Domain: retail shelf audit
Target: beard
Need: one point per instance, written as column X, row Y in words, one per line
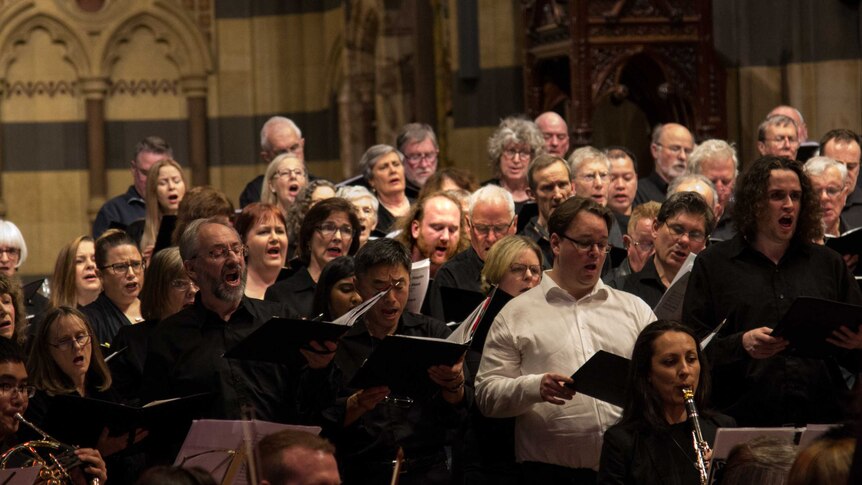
column 222, row 291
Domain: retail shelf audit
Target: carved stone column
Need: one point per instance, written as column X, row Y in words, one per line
column 2, row 157
column 94, row 91
column 195, row 90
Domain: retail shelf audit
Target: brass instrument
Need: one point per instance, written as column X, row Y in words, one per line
column 701, row 447
column 60, row 465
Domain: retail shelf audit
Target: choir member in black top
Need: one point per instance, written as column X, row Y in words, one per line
column 336, row 292
column 120, row 267
column 366, row 426
column 185, row 351
column 681, row 227
column 263, row 228
column 75, row 282
column 652, row 443
column 383, row 169
column 168, row 290
column 752, row 280
column 15, row 395
column 329, row 230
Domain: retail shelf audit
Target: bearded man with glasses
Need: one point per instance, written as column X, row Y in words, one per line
column 671, row 145
column 185, row 350
column 546, row 333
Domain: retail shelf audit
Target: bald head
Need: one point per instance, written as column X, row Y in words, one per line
column 556, row 133
column 796, row 116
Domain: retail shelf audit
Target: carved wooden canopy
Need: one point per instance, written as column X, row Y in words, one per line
column 656, row 53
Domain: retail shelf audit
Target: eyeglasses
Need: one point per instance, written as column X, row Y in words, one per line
column 675, row 149
column 592, row 177
column 678, row 231
column 7, row 389
column 521, row 269
column 328, row 229
column 182, row 285
column 221, row 252
column 586, row 246
column 512, row 153
column 418, row 157
column 295, row 173
column 781, row 140
column 11, row 252
column 123, row 268
column 68, row 344
column 831, row 192
column 485, row 229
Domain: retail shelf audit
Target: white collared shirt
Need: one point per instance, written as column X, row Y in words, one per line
column 546, row 330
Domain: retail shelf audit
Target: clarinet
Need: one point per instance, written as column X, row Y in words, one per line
column 701, row 447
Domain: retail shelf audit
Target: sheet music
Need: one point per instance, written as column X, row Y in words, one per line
column 669, row 307
column 211, row 444
column 353, row 315
column 420, row 275
column 464, row 333
column 706, row 340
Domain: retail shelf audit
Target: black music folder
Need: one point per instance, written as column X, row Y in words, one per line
column 458, row 303
column 401, row 362
column 848, row 243
column 604, row 376
column 166, row 230
column 528, row 211
column 279, row 339
column 80, row 420
column 810, row 321
column 498, row 301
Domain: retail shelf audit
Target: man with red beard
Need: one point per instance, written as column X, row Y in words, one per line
column 681, row 227
column 433, row 230
column 491, row 217
column 185, row 350
column 751, row 281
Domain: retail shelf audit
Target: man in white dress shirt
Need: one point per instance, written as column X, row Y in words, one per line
column 541, row 337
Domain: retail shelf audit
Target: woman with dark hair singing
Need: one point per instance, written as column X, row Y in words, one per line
column 653, row 442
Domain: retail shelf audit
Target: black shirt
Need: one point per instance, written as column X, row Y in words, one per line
column 732, row 280
column 422, row 428
column 127, row 366
column 650, row 188
column 105, row 318
column 539, row 234
column 184, row 357
column 297, row 290
column 120, row 211
column 463, row 271
column 637, row 454
column 852, row 212
column 646, row 284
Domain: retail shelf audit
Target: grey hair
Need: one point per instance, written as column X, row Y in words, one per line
column 266, row 195
column 11, row 236
column 818, row 165
column 189, row 243
column 492, row 194
column 370, row 157
column 514, row 130
column 586, row 154
column 355, row 192
column 710, row 150
column 415, row 133
column 271, row 123
column 689, row 177
column 775, row 120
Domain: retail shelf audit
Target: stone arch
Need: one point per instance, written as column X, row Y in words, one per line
column 187, row 47
column 19, row 24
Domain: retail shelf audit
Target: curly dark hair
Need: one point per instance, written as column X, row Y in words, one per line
column 751, row 199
